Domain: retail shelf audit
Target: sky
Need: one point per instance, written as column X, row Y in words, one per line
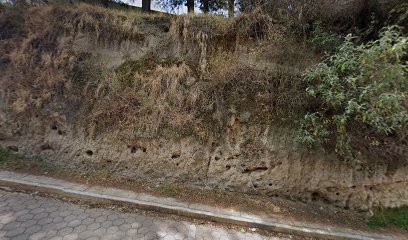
column 178, row 10
column 138, row 3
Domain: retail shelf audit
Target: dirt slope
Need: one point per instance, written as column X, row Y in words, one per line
column 201, row 100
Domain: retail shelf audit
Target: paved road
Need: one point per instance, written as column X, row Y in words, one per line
column 24, row 216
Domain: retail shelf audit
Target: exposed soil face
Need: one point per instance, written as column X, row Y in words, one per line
column 315, row 212
column 258, row 161
column 187, row 100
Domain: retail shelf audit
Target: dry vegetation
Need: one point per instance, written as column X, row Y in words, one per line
column 195, row 91
column 205, row 71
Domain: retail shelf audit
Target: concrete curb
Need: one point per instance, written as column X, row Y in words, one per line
column 174, row 206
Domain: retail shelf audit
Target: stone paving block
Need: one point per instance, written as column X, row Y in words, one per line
column 118, row 222
column 14, row 232
column 124, row 227
column 65, row 231
column 113, row 229
column 101, row 219
column 31, row 230
column 40, row 216
column 100, row 231
column 44, row 221
column 93, row 226
column 33, row 217
column 71, row 236
column 107, row 224
column 38, row 236
column 79, row 229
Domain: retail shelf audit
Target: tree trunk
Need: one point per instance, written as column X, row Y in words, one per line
column 231, row 8
column 146, row 4
column 244, row 5
column 190, row 6
column 206, row 6
column 105, row 3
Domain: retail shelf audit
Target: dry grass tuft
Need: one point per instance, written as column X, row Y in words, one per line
column 171, row 101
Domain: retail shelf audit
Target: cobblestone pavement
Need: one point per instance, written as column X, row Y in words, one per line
column 29, row 217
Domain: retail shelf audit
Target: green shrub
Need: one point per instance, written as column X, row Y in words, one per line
column 364, row 86
column 391, row 216
column 316, row 35
column 324, row 40
column 297, row 29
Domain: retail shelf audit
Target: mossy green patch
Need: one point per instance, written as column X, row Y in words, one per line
column 6, row 155
column 10, row 160
column 170, row 189
column 397, row 217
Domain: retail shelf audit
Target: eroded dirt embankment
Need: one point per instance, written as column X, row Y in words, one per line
column 197, row 100
column 263, row 161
